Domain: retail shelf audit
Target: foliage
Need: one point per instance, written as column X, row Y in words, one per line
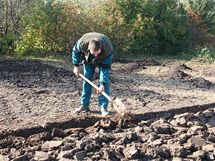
column 202, row 19
column 6, row 44
column 143, row 26
column 110, row 22
column 203, row 14
column 172, row 27
column 33, row 22
column 206, row 53
column 51, row 27
column 10, row 13
column 149, row 27
column 142, row 34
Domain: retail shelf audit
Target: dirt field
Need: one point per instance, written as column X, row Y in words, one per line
column 38, row 96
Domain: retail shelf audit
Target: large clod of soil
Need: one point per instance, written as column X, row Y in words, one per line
column 177, row 73
column 200, row 82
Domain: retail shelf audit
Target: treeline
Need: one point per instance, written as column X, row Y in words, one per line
column 149, row 27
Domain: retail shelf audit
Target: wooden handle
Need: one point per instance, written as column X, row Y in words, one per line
column 95, row 86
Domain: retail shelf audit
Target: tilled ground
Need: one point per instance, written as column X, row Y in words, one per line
column 186, row 136
column 36, row 100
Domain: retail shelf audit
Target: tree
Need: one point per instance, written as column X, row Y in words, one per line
column 172, row 27
column 202, row 19
column 11, row 12
column 51, row 27
column 149, row 26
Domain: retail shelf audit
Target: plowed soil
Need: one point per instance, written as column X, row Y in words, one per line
column 37, row 96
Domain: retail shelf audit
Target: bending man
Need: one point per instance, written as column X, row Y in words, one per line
column 94, row 50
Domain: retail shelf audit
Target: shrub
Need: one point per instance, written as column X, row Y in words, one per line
column 206, row 53
column 146, row 27
column 7, row 44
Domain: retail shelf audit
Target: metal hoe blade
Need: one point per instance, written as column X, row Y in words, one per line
column 119, row 106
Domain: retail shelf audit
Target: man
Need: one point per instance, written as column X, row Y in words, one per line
column 95, row 50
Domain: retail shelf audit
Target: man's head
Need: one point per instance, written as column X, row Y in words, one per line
column 95, row 47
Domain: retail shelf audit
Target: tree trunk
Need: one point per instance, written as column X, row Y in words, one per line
column 6, row 18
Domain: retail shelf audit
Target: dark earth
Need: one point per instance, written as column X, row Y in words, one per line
column 171, row 112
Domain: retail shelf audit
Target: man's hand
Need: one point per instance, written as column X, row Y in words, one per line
column 76, row 71
column 101, row 88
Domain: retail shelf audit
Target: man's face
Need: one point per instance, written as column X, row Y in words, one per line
column 95, row 53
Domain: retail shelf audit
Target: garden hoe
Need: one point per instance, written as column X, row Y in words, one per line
column 117, row 104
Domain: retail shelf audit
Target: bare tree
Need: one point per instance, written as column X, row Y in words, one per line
column 11, row 12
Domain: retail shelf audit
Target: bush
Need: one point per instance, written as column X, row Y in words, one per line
column 134, row 27
column 202, row 19
column 7, row 44
column 146, row 27
column 206, row 53
column 51, row 28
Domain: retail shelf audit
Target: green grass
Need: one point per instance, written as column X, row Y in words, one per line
column 163, row 57
column 66, row 58
column 45, row 58
column 61, row 62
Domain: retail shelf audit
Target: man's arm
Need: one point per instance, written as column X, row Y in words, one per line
column 76, row 54
column 76, row 57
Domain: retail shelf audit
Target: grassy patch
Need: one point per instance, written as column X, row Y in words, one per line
column 160, row 58
column 57, row 61
column 135, row 57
